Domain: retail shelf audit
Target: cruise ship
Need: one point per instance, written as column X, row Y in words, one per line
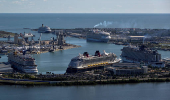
column 141, row 54
column 44, row 29
column 22, row 62
column 98, row 36
column 86, row 62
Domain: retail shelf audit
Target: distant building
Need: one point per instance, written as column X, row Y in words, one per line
column 135, row 38
column 45, row 42
column 16, row 38
column 127, row 69
column 60, row 39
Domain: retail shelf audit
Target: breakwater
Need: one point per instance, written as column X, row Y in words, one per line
column 81, row 82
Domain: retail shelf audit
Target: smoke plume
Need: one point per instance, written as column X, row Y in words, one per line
column 105, row 24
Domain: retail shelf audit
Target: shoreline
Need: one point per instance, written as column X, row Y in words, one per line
column 81, row 82
column 5, row 34
column 64, row 48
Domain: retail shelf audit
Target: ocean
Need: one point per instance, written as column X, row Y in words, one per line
column 138, row 91
column 58, row 61
column 66, row 21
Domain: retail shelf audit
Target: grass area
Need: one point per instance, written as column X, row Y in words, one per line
column 29, row 83
column 87, row 82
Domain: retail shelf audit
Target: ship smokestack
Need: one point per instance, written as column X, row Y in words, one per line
column 42, row 25
column 86, row 54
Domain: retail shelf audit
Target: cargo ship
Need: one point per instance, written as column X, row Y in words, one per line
column 22, row 62
column 86, row 62
column 98, row 36
column 141, row 54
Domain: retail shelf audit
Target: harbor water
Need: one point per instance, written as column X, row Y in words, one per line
column 140, row 91
column 58, row 61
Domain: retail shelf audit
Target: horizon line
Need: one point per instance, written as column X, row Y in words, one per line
column 81, row 13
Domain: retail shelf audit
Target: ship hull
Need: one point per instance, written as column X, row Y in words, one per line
column 83, row 69
column 154, row 64
column 77, row 70
column 97, row 40
column 125, row 60
column 44, row 31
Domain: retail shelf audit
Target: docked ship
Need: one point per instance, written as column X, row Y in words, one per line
column 141, row 54
column 86, row 62
column 98, row 36
column 22, row 62
column 44, row 29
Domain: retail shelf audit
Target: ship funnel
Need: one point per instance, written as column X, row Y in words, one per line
column 86, row 54
column 97, row 53
column 42, row 25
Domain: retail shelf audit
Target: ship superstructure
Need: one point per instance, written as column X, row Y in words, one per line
column 98, row 36
column 86, row 61
column 141, row 54
column 22, row 62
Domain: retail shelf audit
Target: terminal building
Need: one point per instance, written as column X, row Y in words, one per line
column 127, row 69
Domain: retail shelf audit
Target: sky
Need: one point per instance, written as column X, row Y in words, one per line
column 84, row 6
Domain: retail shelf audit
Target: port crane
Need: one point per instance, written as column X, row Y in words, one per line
column 23, row 40
column 52, row 49
column 39, row 41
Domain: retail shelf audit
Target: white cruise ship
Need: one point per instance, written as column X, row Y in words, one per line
column 98, row 36
column 22, row 62
column 44, row 29
column 87, row 62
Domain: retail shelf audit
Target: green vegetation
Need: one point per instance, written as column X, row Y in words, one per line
column 61, row 80
column 6, row 34
column 109, row 82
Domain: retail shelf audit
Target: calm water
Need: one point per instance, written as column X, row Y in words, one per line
column 141, row 91
column 57, row 62
column 20, row 21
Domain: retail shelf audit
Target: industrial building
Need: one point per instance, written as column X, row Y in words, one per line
column 127, row 69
